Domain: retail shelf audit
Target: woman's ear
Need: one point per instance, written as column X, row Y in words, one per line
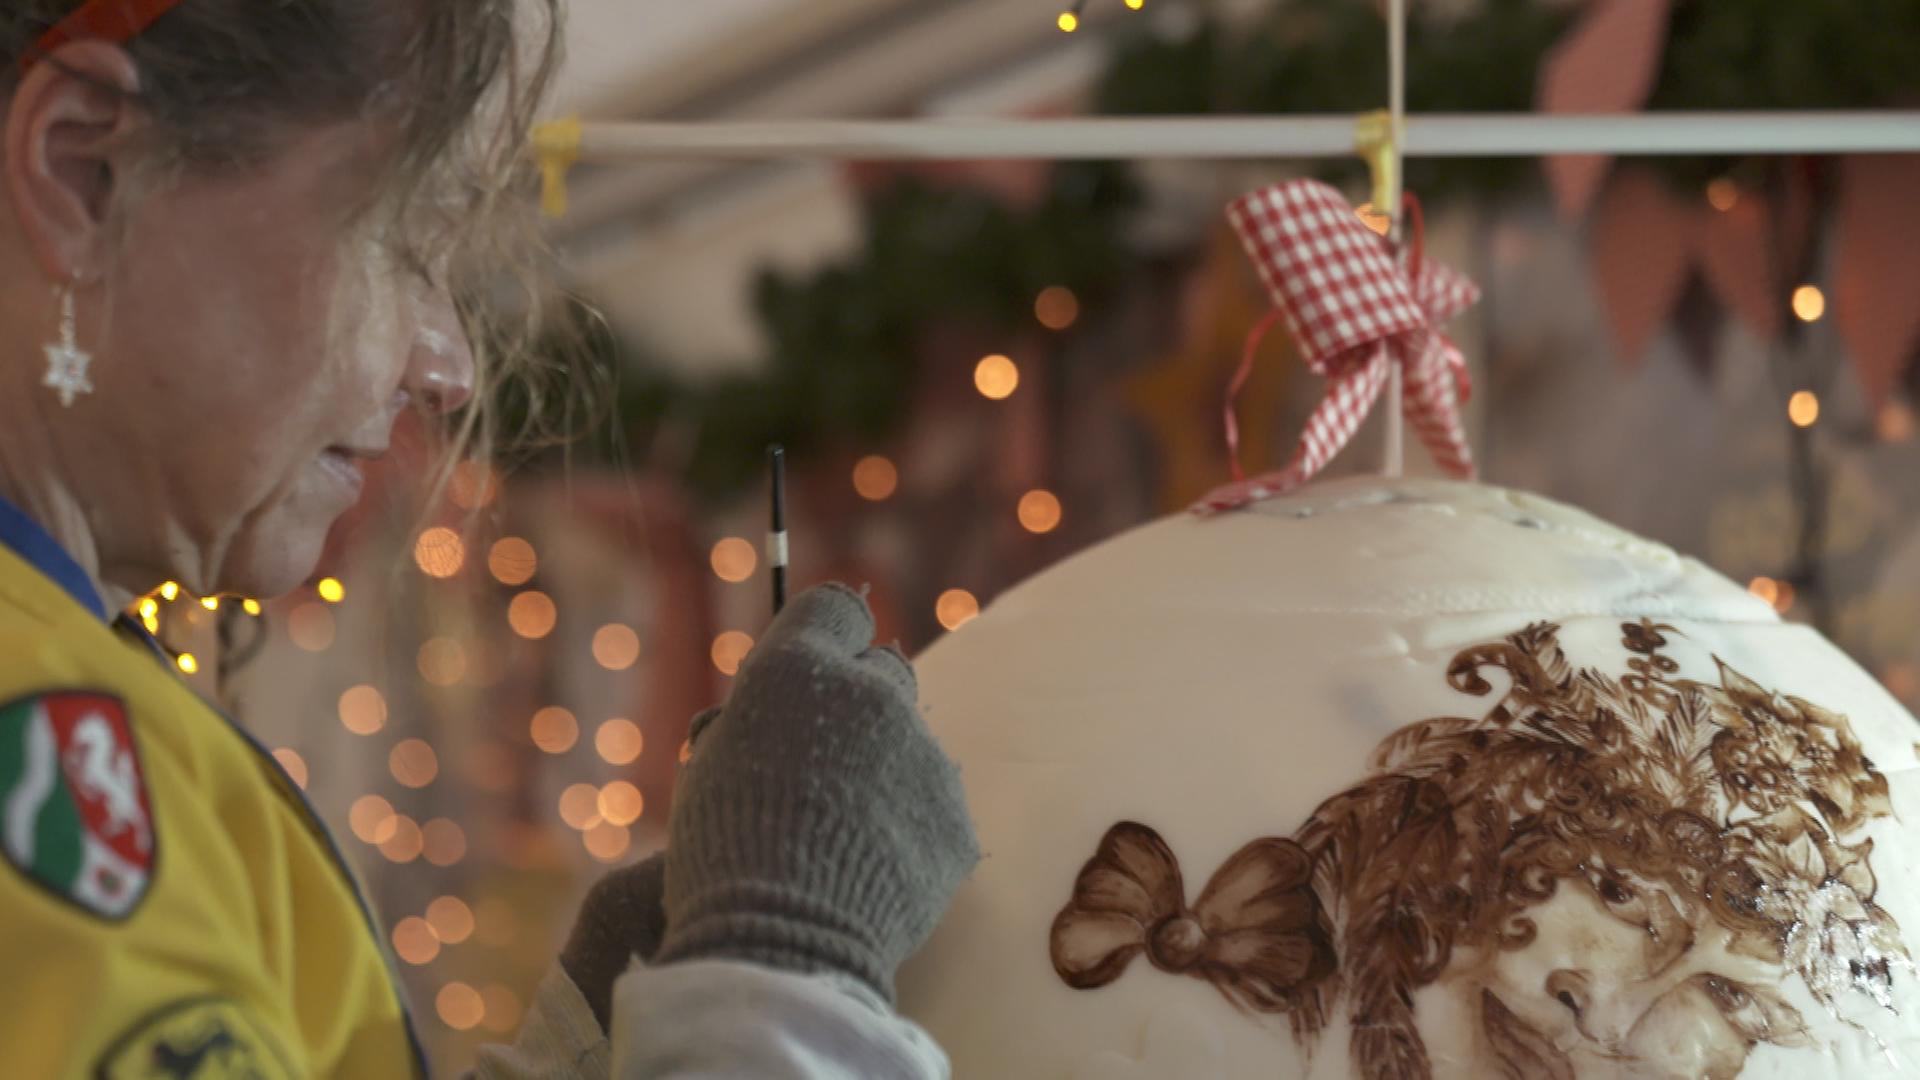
column 66, row 146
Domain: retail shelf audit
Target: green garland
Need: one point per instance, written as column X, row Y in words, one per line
column 845, row 339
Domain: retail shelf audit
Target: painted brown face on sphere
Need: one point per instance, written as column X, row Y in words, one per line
column 1601, row 876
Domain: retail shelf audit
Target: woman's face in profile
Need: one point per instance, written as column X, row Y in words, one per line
column 1595, row 995
column 254, row 346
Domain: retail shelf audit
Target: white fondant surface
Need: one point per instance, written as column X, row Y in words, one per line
column 1218, row 680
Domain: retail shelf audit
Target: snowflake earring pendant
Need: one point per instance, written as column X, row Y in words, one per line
column 66, row 362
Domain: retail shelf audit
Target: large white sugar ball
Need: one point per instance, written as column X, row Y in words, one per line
column 1399, row 780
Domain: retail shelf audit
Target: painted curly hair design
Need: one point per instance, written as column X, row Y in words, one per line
column 1714, row 824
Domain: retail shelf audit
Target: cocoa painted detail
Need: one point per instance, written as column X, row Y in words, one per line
column 1598, row 876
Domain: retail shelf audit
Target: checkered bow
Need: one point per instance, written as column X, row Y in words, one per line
column 1352, row 308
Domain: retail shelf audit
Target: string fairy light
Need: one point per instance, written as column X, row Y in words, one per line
column 1803, row 408
column 956, row 608
column 1069, row 20
column 512, row 561
column 460, row 1006
column 619, row 741
column 1039, row 511
column 996, row 377
column 1809, row 303
column 876, row 478
column 554, row 729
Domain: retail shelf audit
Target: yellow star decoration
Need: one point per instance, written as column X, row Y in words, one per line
column 1180, row 396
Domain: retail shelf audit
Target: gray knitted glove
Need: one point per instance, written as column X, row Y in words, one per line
column 621, row 918
column 818, row 828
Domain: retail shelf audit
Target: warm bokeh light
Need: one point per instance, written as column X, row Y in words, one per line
column 443, row 662
column 294, row 764
column 473, row 485
column 311, row 627
column 734, row 559
column 729, row 649
column 149, row 608
column 1136, row 4
column 1722, row 194
column 554, row 730
column 372, row 819
column 620, row 803
column 1039, row 511
column 616, row 647
column 439, row 552
column 532, row 615
column 363, row 710
column 956, row 608
column 188, row 663
column 580, row 806
column 413, row 763
column 211, row 603
column 1766, row 589
column 1057, row 308
column 331, row 590
column 996, row 377
column 414, row 941
column 443, row 842
column 503, row 1008
column 512, row 561
column 460, row 1006
column 1068, row 22
column 451, row 919
column 1809, row 303
column 875, row 478
column 250, row 606
column 170, row 591
column 607, row 842
column 619, row 742
column 406, row 843
column 1803, row 408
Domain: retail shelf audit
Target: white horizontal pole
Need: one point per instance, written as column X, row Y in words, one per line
column 1304, row 136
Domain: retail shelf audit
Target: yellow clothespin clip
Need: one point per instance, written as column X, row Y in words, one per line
column 556, row 147
column 1377, row 143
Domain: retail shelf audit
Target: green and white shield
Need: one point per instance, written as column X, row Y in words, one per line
column 75, row 817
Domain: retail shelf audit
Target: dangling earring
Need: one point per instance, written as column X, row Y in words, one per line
column 66, row 363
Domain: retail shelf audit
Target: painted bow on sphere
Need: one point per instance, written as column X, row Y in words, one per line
column 1354, row 307
column 1257, row 932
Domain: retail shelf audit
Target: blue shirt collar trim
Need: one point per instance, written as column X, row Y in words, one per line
column 42, row 552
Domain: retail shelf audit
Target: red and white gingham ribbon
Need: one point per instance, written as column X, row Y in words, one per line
column 1352, row 308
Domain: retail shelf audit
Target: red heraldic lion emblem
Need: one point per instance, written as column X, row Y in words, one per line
column 75, row 817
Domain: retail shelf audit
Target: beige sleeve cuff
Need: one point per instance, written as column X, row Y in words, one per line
column 558, row 1040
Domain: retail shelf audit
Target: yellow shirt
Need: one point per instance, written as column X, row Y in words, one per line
column 169, row 904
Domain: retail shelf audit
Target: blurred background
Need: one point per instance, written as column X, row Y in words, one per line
column 979, row 369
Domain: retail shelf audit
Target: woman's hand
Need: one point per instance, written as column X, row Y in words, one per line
column 621, row 918
column 818, row 828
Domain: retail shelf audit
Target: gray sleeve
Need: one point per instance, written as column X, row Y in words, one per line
column 725, row 1020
